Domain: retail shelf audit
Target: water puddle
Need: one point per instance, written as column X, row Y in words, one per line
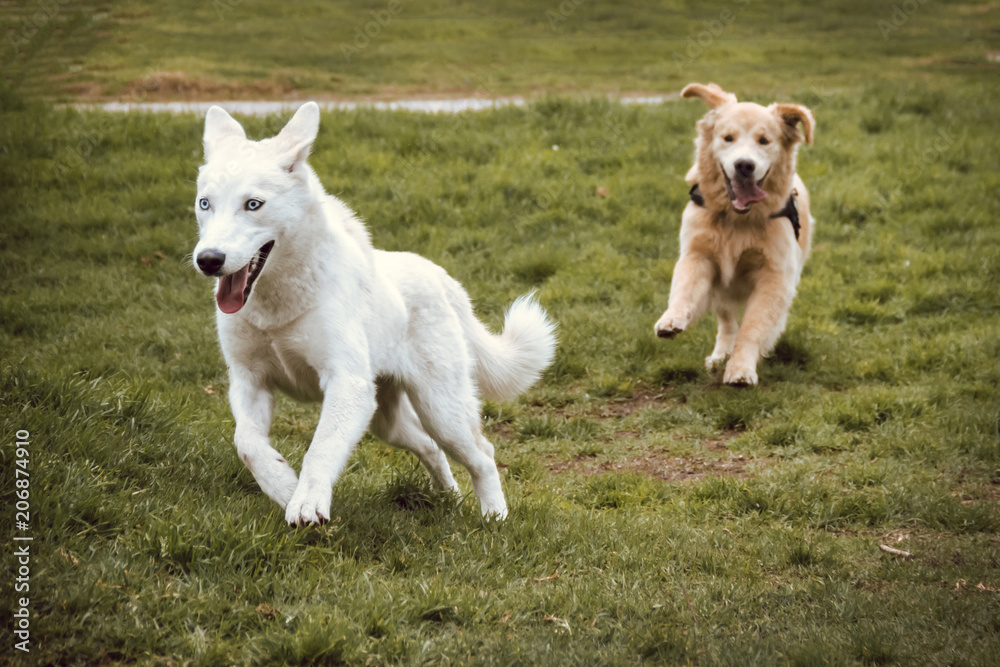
column 252, row 108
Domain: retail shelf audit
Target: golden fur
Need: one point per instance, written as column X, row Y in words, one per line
column 734, row 254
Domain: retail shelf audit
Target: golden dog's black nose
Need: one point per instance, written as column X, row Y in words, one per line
column 745, row 168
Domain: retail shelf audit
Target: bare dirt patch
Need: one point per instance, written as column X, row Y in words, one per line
column 625, row 407
column 617, row 408
column 84, row 90
column 663, row 465
column 713, row 457
column 503, row 430
column 162, row 86
column 180, row 87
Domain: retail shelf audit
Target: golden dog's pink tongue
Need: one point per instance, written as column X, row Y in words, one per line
column 231, row 288
column 746, row 193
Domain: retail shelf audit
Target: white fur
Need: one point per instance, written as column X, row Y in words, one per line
column 385, row 340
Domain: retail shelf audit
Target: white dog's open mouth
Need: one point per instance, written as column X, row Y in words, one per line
column 744, row 193
column 234, row 289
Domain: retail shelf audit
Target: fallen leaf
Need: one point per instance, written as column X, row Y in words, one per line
column 267, row 610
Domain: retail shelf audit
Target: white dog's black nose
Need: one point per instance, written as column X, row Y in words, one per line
column 210, row 261
column 745, row 168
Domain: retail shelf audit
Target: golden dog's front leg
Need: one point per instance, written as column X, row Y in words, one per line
column 725, row 339
column 763, row 322
column 690, row 291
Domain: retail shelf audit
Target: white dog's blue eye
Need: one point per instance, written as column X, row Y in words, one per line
column 203, row 204
column 254, row 204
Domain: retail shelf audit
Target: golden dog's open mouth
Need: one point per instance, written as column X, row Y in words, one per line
column 744, row 193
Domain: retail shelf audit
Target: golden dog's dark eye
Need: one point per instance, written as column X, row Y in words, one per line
column 763, row 141
column 728, row 138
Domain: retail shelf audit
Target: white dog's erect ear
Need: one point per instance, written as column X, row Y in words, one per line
column 792, row 115
column 297, row 137
column 219, row 125
column 712, row 94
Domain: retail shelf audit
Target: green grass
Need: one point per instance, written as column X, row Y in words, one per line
column 877, row 420
column 250, row 49
column 877, row 417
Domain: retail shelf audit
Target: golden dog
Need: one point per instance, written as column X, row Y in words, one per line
column 745, row 234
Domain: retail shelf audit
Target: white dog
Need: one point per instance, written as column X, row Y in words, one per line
column 386, row 340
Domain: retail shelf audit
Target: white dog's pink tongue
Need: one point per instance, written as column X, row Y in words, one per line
column 746, row 193
column 231, row 288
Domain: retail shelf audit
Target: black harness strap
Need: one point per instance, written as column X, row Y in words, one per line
column 791, row 211
column 695, row 193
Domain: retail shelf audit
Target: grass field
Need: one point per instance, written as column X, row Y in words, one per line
column 656, row 516
column 226, row 49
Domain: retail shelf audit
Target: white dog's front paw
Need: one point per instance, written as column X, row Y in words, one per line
column 494, row 511
column 309, row 504
column 671, row 324
column 274, row 476
column 740, row 375
column 278, row 482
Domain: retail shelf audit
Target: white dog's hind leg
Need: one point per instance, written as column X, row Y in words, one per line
column 252, row 407
column 397, row 424
column 449, row 412
column 725, row 339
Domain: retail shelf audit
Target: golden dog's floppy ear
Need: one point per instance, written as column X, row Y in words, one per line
column 792, row 115
column 712, row 94
column 693, row 175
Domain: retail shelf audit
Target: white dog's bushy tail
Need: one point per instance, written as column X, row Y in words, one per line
column 508, row 363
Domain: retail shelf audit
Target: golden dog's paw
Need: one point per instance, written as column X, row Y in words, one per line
column 671, row 324
column 740, row 376
column 713, row 361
